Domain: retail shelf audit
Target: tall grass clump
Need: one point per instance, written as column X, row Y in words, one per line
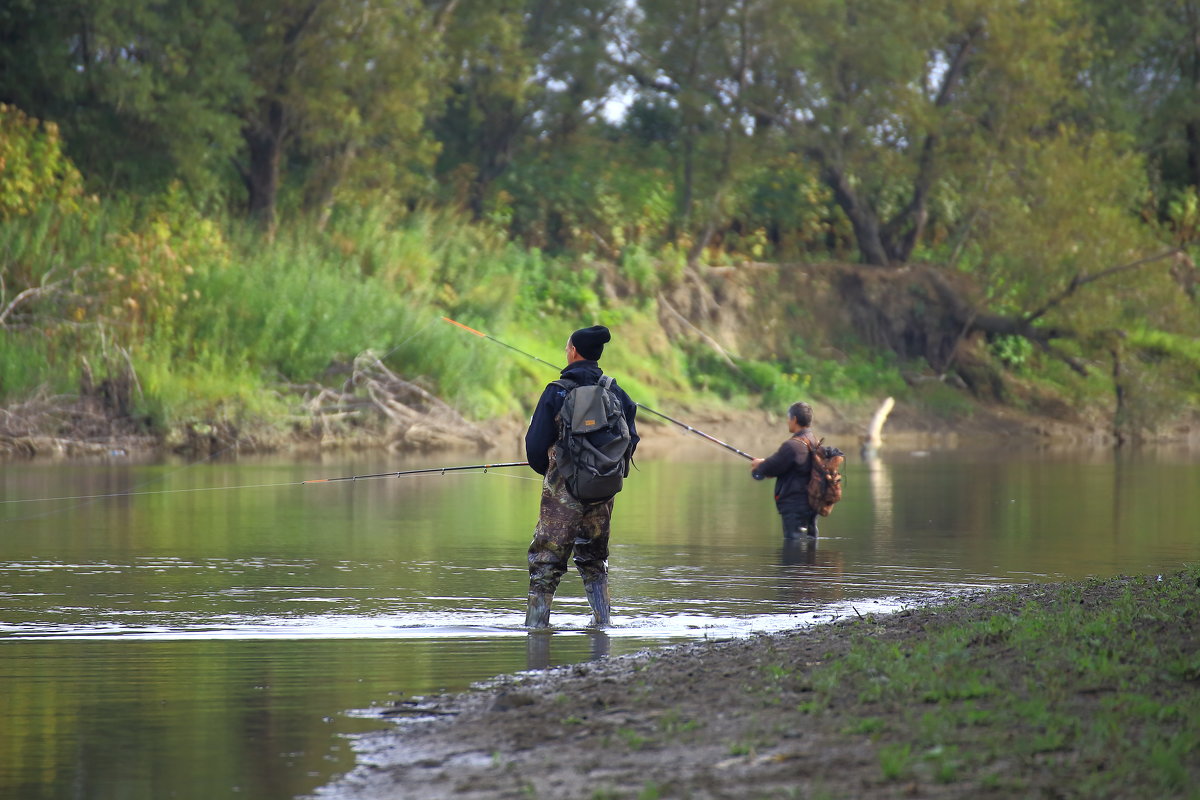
column 301, row 309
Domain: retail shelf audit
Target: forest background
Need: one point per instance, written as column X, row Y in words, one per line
column 233, row 221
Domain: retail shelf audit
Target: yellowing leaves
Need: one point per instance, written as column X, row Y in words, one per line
column 33, row 168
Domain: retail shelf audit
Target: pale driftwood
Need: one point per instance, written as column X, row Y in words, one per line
column 875, row 429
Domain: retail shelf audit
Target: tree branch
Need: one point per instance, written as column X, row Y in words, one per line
column 911, row 219
column 1080, row 280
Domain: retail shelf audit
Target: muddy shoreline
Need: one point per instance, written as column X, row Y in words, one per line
column 677, row 716
column 754, row 431
column 755, row 718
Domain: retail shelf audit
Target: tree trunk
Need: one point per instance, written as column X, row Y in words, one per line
column 689, row 175
column 862, row 217
column 1192, row 128
column 264, row 144
column 902, row 233
column 1193, row 153
column 1121, row 412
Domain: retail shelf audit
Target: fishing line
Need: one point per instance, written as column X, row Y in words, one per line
column 510, row 475
column 483, row 469
column 142, row 494
column 424, row 328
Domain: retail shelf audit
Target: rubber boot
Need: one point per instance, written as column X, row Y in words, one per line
column 538, row 615
column 597, row 596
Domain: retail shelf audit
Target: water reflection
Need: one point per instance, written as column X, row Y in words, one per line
column 879, row 479
column 254, row 618
column 799, row 551
column 541, row 643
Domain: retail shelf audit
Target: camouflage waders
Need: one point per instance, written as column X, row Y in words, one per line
column 566, row 525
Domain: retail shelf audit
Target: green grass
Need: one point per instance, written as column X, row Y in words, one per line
column 1111, row 684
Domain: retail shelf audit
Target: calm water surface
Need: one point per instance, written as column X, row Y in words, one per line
column 197, row 642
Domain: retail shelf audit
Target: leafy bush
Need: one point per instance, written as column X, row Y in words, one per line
column 33, row 167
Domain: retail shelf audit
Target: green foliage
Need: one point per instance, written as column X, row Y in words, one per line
column 24, row 365
column 143, row 90
column 632, row 739
column 777, row 385
column 1160, row 372
column 1069, row 208
column 353, row 81
column 526, row 165
column 785, row 212
column 584, row 198
column 1013, row 352
column 895, row 761
column 1140, row 85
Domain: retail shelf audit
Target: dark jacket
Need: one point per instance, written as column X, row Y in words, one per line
column 543, row 429
column 791, row 466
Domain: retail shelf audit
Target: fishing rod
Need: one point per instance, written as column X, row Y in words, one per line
column 642, row 406
column 696, row 431
column 441, row 470
column 484, row 467
column 502, row 344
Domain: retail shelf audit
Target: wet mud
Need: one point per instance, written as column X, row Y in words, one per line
column 701, row 720
column 807, row 713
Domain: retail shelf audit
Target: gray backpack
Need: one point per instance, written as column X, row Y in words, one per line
column 592, row 450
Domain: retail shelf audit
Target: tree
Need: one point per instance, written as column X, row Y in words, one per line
column 141, row 89
column 890, row 98
column 694, row 65
column 339, row 85
column 1148, row 82
column 526, row 78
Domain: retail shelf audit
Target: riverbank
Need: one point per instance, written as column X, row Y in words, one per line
column 65, row 428
column 1085, row 689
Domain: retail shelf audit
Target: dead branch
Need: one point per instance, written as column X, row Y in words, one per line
column 45, row 289
column 29, row 294
column 416, row 417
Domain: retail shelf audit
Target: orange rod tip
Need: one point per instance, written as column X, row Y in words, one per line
column 465, row 327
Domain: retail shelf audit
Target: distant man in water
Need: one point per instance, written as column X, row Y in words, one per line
column 565, row 523
column 791, row 467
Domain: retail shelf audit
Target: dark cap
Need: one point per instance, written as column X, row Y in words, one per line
column 589, row 342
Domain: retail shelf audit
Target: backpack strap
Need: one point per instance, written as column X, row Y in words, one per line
column 565, row 383
column 803, row 448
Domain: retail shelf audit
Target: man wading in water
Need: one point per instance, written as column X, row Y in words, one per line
column 791, row 466
column 566, row 523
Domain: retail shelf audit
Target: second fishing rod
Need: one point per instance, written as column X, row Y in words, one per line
column 642, row 406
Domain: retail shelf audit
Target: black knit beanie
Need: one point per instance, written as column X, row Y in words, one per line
column 589, row 342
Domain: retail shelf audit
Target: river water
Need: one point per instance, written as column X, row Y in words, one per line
column 191, row 640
